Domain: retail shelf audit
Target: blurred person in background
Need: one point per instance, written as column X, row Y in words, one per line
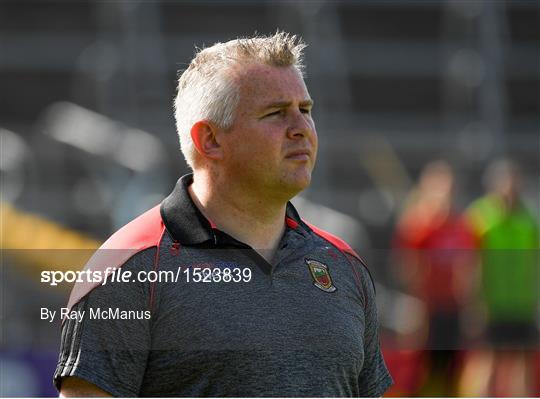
column 303, row 324
column 508, row 238
column 436, row 264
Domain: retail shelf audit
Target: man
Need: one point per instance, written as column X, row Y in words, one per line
column 264, row 304
column 508, row 237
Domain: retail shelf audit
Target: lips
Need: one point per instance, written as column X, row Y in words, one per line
column 299, row 155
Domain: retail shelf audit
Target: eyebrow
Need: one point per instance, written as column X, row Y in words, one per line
column 285, row 104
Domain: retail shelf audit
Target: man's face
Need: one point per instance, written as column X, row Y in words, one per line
column 272, row 145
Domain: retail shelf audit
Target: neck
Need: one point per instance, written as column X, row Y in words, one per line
column 256, row 221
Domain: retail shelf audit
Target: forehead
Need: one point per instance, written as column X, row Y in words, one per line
column 262, row 83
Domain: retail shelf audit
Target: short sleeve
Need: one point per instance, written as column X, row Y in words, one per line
column 374, row 378
column 108, row 342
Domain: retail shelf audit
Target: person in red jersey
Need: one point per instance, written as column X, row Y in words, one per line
column 437, row 252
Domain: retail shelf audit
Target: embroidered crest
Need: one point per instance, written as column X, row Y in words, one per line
column 321, row 275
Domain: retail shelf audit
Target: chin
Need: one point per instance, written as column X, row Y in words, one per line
column 297, row 182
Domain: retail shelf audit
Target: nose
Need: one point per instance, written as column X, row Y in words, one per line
column 301, row 126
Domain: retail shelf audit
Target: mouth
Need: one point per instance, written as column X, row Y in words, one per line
column 299, row 155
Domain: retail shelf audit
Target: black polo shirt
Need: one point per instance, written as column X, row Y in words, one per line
column 230, row 323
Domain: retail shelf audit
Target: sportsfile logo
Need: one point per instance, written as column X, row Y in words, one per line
column 55, row 277
column 199, row 273
column 110, row 274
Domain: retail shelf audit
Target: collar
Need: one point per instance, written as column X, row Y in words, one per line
column 188, row 226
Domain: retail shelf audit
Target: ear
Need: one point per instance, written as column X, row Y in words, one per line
column 204, row 136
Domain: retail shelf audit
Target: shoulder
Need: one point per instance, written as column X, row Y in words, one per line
column 144, row 232
column 357, row 262
column 334, row 240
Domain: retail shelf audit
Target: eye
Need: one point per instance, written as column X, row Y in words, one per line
column 305, row 110
column 278, row 112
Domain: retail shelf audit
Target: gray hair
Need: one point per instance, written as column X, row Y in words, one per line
column 207, row 90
